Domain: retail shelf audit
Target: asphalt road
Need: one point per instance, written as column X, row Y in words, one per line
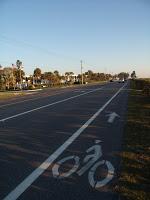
column 62, row 144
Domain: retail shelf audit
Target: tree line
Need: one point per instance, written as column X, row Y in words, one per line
column 14, row 77
column 10, row 76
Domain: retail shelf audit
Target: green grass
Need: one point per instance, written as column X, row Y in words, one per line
column 134, row 180
column 8, row 95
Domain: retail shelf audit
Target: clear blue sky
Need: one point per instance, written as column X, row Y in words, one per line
column 108, row 35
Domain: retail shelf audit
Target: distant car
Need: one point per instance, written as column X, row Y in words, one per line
column 111, row 80
column 121, row 81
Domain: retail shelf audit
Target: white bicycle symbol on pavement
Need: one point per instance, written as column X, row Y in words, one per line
column 90, row 164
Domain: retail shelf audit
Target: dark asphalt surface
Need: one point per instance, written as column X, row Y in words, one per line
column 27, row 140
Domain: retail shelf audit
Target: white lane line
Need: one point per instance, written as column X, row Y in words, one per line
column 14, row 194
column 48, row 105
column 31, row 99
column 36, row 98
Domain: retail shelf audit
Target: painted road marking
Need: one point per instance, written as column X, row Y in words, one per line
column 79, row 91
column 31, row 99
column 14, row 194
column 107, row 179
column 57, row 174
column 112, row 116
column 48, row 105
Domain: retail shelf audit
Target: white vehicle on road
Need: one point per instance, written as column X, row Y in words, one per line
column 121, row 81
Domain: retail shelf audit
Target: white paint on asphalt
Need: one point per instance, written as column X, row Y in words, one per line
column 90, row 161
column 79, row 91
column 31, row 99
column 14, row 194
column 48, row 105
column 107, row 179
column 55, row 168
column 97, row 141
column 112, row 116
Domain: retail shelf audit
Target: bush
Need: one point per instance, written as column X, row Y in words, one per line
column 31, row 87
column 146, row 90
column 139, row 84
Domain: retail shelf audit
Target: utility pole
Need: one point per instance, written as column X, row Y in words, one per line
column 20, row 78
column 13, row 76
column 82, row 72
column 105, row 73
column 19, row 66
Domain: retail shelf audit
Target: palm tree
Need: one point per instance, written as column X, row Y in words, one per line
column 56, row 73
column 69, row 75
column 37, row 74
column 19, row 66
column 123, row 76
column 8, row 77
column 49, row 77
column 133, row 75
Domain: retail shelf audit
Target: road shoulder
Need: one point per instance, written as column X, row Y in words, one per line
column 134, row 178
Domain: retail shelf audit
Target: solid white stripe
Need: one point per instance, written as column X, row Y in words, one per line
column 31, row 99
column 37, row 172
column 48, row 105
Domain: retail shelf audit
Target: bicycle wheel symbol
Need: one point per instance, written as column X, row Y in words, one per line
column 90, row 163
column 55, row 169
column 107, row 179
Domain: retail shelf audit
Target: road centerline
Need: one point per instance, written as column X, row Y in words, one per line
column 14, row 194
column 39, row 97
column 48, row 105
column 31, row 99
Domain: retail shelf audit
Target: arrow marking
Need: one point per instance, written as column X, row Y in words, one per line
column 112, row 116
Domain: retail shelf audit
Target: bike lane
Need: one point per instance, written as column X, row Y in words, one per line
column 46, row 187
column 109, row 136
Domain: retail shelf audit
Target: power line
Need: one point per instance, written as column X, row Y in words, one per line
column 27, row 44
column 82, row 72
